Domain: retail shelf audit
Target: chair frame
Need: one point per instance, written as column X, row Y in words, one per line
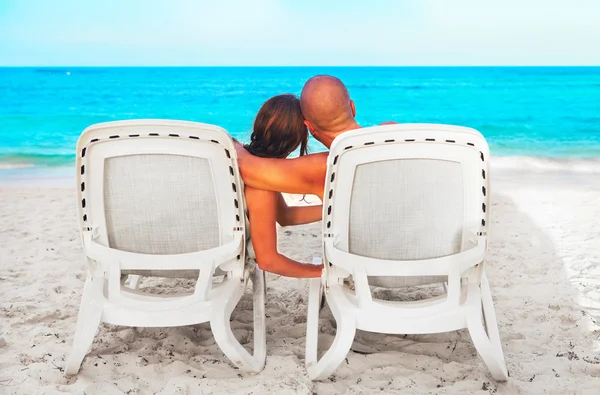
column 106, row 298
column 468, row 300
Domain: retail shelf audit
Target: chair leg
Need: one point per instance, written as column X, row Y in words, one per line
column 260, row 326
column 344, row 336
column 315, row 295
column 221, row 328
column 486, row 338
column 88, row 321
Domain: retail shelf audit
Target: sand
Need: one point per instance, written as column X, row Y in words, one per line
column 544, row 270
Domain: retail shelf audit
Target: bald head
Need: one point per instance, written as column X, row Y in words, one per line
column 326, row 103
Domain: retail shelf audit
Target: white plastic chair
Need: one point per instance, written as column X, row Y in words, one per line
column 405, row 205
column 163, row 198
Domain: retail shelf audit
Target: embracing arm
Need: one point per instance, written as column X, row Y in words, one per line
column 262, row 210
column 305, row 174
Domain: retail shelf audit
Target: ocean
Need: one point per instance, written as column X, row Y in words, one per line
column 547, row 116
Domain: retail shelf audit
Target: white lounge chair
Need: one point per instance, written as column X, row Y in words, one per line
column 405, row 205
column 163, row 198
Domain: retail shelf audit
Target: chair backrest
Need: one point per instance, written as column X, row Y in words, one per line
column 407, row 191
column 159, row 187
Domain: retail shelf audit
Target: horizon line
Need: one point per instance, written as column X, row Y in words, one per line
column 288, row 66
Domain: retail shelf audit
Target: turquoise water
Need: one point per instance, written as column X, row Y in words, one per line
column 551, row 112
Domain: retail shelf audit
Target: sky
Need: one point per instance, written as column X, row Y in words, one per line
column 298, row 32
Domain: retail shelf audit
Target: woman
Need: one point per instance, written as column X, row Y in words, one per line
column 278, row 131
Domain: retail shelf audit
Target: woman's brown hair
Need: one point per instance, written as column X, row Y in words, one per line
column 279, row 128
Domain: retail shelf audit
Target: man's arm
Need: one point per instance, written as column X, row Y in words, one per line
column 262, row 208
column 305, row 174
column 297, row 215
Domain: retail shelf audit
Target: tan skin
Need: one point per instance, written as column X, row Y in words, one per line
column 303, row 175
column 266, row 207
column 264, row 179
column 278, row 130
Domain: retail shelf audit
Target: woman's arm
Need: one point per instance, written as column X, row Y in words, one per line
column 262, row 212
column 297, row 215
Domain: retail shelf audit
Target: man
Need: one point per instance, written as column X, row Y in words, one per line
column 328, row 112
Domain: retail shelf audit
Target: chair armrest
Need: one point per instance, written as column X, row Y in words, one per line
column 192, row 261
column 443, row 266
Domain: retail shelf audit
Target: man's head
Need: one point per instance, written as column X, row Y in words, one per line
column 327, row 107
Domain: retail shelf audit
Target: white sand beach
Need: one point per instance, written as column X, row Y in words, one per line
column 543, row 266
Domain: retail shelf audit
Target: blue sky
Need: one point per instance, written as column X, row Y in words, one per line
column 299, row 32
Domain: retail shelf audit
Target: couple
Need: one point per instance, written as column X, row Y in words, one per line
column 281, row 126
